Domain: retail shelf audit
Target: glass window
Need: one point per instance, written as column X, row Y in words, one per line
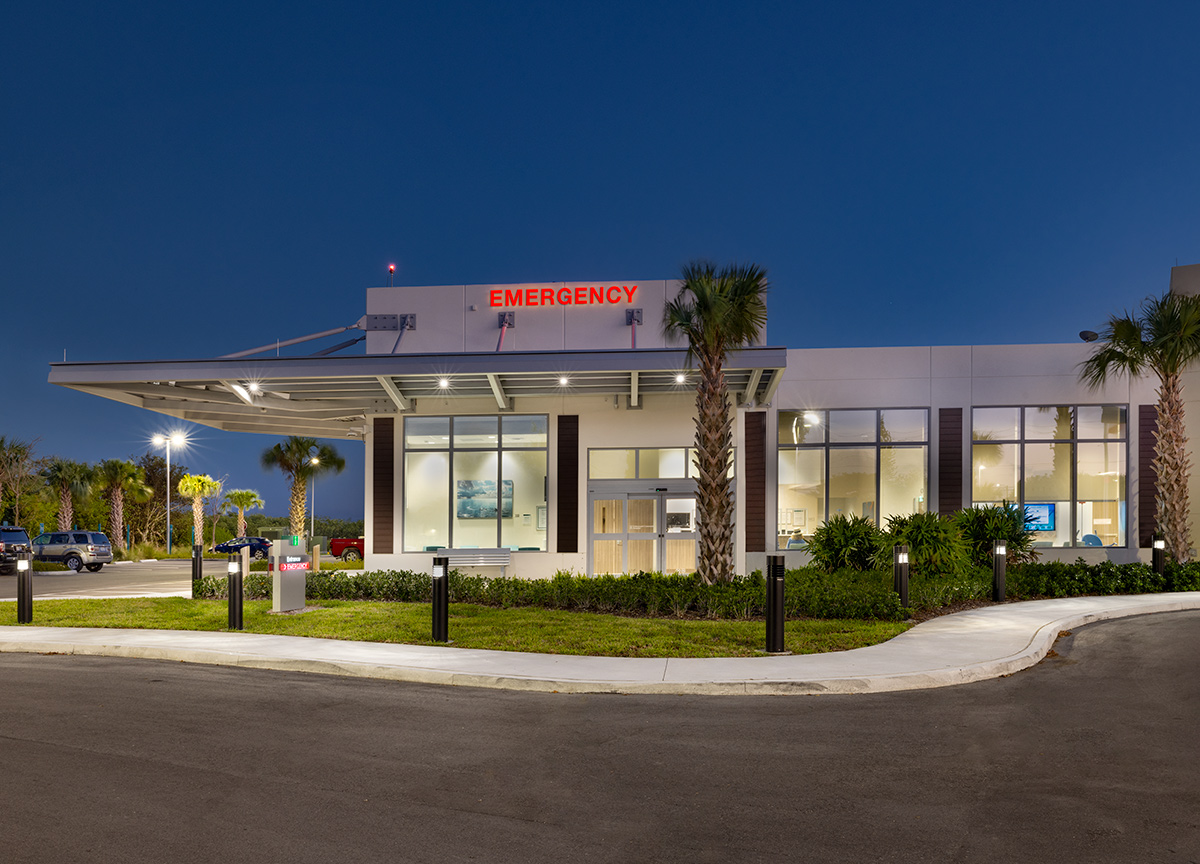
column 902, row 481
column 1048, row 423
column 801, row 427
column 523, row 474
column 523, row 431
column 426, row 501
column 475, row 432
column 612, row 464
column 820, row 475
column 465, row 488
column 1073, row 489
column 662, row 464
column 907, row 425
column 801, row 495
column 477, row 500
column 994, row 424
column 852, row 426
column 426, row 433
column 1101, row 421
column 852, row 481
column 1048, row 481
column 1100, row 496
column 994, row 472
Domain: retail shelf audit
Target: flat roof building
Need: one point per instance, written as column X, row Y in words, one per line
column 553, row 420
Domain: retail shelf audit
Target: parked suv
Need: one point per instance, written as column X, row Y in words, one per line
column 76, row 549
column 13, row 543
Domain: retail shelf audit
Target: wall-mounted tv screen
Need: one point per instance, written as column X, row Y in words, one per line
column 1039, row 517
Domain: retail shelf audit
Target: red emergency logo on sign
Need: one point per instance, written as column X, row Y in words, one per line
column 581, row 295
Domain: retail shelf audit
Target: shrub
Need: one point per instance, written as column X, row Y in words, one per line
column 845, row 542
column 981, row 527
column 935, row 546
column 808, row 592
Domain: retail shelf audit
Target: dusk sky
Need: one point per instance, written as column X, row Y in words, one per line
column 185, row 180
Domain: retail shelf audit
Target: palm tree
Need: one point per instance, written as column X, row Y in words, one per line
column 198, row 487
column 17, row 466
column 243, row 500
column 121, row 479
column 716, row 311
column 301, row 458
column 68, row 479
column 1162, row 337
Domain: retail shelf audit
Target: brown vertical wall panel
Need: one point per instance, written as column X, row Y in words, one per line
column 566, row 510
column 950, row 460
column 1148, row 478
column 756, row 481
column 383, row 486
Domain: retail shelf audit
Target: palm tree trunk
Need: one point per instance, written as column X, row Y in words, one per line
column 116, row 516
column 66, row 509
column 198, row 519
column 241, row 522
column 1172, row 465
column 298, row 504
column 714, row 437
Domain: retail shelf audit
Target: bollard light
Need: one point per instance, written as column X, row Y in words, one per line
column 999, row 565
column 441, row 599
column 774, row 610
column 24, row 590
column 1158, row 555
column 234, row 584
column 900, row 573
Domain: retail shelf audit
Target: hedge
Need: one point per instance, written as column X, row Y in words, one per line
column 808, row 591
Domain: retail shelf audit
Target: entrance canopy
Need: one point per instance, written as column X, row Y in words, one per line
column 323, row 396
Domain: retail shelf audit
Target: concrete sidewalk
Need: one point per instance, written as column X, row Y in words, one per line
column 954, row 649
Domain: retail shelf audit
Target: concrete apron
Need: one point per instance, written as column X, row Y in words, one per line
column 953, row 649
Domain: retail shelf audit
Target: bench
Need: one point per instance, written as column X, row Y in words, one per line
column 501, row 557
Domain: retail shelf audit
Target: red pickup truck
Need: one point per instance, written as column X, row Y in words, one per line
column 347, row 548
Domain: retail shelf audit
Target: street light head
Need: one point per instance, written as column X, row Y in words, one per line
column 1089, row 335
column 314, row 460
column 158, row 440
column 178, row 439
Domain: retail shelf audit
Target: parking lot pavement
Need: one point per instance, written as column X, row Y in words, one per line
column 1087, row 757
column 120, row 579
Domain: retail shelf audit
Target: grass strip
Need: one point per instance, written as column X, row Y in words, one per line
column 545, row 631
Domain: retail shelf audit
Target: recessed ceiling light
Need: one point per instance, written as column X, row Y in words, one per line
column 443, row 383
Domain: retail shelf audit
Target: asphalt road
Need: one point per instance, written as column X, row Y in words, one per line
column 1089, row 756
column 147, row 579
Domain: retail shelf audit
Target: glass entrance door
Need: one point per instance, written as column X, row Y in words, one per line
column 679, row 542
column 632, row 532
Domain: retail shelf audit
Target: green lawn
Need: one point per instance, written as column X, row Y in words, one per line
column 523, row 629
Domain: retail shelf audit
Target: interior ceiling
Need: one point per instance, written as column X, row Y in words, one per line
column 334, row 396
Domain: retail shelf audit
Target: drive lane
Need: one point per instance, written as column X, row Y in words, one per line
column 1089, row 756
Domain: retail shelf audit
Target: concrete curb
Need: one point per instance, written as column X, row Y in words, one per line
column 955, row 649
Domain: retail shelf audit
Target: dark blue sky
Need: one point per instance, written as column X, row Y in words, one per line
column 190, row 179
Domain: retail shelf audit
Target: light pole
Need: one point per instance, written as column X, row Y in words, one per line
column 312, row 525
column 178, row 440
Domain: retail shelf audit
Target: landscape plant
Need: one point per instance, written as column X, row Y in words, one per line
column 1163, row 337
column 982, row 526
column 198, row 487
column 845, row 542
column 68, row 480
column 120, row 480
column 935, row 545
column 299, row 459
column 716, row 311
column 243, row 500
